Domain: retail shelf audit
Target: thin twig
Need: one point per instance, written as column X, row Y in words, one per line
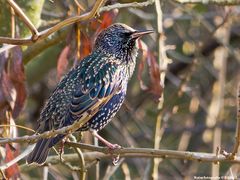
column 163, row 62
column 232, row 155
column 97, row 165
column 82, row 164
column 82, row 171
column 60, row 25
column 17, row 126
column 12, row 23
column 157, row 139
column 217, row 2
column 126, row 171
column 18, row 158
column 216, row 107
column 25, row 19
column 35, row 49
column 3, row 176
column 126, row 5
column 96, row 9
column 209, row 28
column 111, row 170
column 79, row 5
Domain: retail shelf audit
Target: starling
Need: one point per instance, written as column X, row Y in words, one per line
column 101, row 76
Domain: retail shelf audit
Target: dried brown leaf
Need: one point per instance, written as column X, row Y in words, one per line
column 154, row 86
column 13, row 171
column 17, row 77
column 86, row 47
column 154, row 72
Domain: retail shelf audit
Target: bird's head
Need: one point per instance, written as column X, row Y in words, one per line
column 119, row 40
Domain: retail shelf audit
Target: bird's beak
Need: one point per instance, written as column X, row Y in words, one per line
column 137, row 34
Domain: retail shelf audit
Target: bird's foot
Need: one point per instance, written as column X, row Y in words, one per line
column 115, row 158
column 61, row 150
column 113, row 146
column 110, row 146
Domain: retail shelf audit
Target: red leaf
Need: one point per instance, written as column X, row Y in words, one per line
column 86, row 47
column 13, row 171
column 12, row 97
column 63, row 62
column 153, row 68
column 7, row 92
column 17, row 76
column 94, row 27
column 141, row 45
column 154, row 72
column 107, row 19
column 12, row 87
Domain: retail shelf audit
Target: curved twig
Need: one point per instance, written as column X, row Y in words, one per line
column 25, row 19
column 46, row 33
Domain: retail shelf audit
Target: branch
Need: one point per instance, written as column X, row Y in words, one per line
column 18, row 158
column 163, row 63
column 217, row 2
column 46, row 33
column 101, row 153
column 37, row 48
column 25, row 19
column 65, row 130
column 237, row 143
column 126, row 5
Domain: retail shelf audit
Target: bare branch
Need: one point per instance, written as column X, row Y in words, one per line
column 18, row 158
column 65, row 130
column 82, row 171
column 163, row 62
column 237, row 142
column 46, row 33
column 35, row 49
column 216, row 107
column 104, row 153
column 79, row 5
column 25, row 19
column 217, row 2
column 126, row 5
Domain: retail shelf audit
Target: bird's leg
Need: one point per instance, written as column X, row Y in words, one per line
column 108, row 144
column 104, row 141
column 61, row 148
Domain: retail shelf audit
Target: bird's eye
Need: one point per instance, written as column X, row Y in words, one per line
column 127, row 34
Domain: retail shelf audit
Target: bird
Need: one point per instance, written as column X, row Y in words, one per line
column 99, row 81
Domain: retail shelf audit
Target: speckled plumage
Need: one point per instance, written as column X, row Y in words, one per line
column 103, row 75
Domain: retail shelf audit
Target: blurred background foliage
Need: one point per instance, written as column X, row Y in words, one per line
column 199, row 110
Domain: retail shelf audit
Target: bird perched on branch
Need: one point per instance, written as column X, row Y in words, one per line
column 101, row 78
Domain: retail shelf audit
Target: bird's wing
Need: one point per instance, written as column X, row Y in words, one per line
column 98, row 83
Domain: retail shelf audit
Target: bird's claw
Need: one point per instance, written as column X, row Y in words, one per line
column 61, row 150
column 114, row 146
column 115, row 160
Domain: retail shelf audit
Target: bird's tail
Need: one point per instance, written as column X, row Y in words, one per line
column 40, row 152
